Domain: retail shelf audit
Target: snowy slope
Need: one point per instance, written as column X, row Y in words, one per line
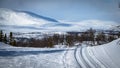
column 103, row 56
column 13, row 20
column 11, row 17
column 25, row 21
column 95, row 24
column 19, row 57
column 107, row 54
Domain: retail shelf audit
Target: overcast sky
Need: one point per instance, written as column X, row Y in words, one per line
column 68, row 10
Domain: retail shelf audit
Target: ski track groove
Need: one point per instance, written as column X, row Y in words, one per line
column 80, row 58
column 93, row 62
column 109, row 57
column 97, row 60
column 64, row 58
column 75, row 55
column 83, row 59
column 87, row 58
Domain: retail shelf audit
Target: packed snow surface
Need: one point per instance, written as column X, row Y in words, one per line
column 80, row 56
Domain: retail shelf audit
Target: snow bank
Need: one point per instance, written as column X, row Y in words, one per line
column 107, row 54
column 3, row 45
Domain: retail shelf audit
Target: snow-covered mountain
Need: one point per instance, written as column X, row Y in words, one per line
column 25, row 21
column 11, row 17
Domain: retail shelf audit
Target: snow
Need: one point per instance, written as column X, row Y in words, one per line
column 95, row 24
column 107, row 54
column 36, row 35
column 19, row 57
column 80, row 56
column 116, row 28
column 18, row 21
column 19, row 18
column 60, row 46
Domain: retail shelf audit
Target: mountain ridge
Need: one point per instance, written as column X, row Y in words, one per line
column 22, row 20
column 39, row 16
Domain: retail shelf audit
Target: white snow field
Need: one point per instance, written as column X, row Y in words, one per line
column 81, row 56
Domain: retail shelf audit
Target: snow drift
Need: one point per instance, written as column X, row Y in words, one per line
column 108, row 54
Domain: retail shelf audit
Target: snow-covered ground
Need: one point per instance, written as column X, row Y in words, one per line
column 81, row 56
column 19, row 57
column 107, row 54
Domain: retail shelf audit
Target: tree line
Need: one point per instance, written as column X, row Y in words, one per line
column 7, row 39
column 90, row 37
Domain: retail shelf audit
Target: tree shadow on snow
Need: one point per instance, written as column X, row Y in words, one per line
column 21, row 53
